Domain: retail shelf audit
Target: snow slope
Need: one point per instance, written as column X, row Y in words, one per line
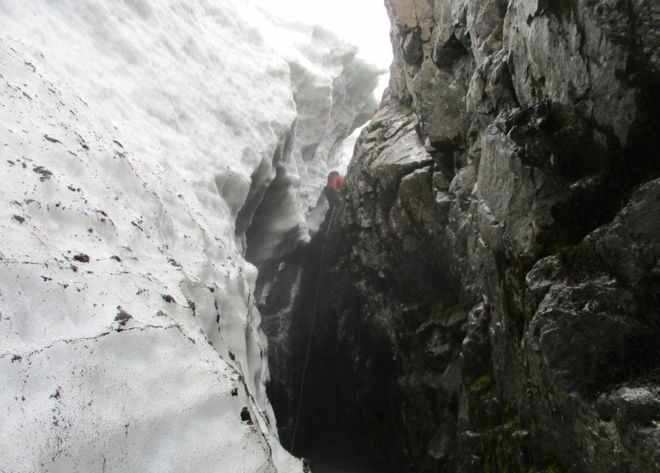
column 129, row 135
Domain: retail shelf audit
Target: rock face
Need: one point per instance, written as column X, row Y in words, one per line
column 489, row 291
column 137, row 141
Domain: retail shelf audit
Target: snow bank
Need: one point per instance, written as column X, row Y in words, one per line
column 129, row 133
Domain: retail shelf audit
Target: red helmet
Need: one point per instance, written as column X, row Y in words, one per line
column 335, row 180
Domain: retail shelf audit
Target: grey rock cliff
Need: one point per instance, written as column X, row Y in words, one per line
column 491, row 286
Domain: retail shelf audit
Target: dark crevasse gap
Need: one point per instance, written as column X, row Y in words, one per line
column 276, row 226
column 334, row 429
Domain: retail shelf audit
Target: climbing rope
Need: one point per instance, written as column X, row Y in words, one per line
column 317, row 294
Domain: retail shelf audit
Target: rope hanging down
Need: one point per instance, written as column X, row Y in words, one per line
column 310, row 337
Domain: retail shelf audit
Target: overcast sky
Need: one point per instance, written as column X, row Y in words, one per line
column 360, row 22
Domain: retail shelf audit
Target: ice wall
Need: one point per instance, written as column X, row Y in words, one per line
column 333, row 89
column 129, row 133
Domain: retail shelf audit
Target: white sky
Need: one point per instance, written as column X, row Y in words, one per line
column 363, row 23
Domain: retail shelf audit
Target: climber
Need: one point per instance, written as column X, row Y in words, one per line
column 333, row 187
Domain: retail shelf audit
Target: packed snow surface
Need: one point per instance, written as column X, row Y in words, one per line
column 129, row 135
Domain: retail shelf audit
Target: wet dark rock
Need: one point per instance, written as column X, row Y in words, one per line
column 81, row 258
column 122, row 317
column 246, row 416
column 44, row 173
column 631, row 405
column 476, row 347
column 57, row 394
column 487, row 296
column 51, row 139
column 412, row 47
column 491, row 283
